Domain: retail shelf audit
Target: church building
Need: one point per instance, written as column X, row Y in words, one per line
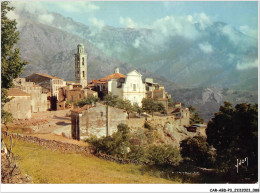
column 131, row 87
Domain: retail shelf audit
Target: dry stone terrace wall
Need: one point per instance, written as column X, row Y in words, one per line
column 55, row 145
column 72, row 148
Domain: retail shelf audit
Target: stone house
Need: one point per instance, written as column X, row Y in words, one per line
column 73, row 93
column 182, row 115
column 39, row 100
column 157, row 92
column 98, row 120
column 50, row 85
column 20, row 105
column 47, row 82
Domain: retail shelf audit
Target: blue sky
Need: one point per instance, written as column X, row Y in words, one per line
column 235, row 13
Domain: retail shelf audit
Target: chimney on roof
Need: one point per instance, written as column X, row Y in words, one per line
column 116, row 70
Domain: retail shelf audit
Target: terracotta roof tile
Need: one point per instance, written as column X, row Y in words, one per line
column 16, row 92
column 99, row 81
column 113, row 76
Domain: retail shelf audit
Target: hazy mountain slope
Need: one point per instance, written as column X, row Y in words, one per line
column 220, row 56
column 51, row 50
column 208, row 100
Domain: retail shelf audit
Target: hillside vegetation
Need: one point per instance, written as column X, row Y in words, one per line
column 47, row 166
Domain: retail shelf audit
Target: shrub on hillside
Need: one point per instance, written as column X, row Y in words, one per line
column 115, row 145
column 195, row 150
column 163, row 155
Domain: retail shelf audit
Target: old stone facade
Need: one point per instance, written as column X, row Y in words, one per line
column 39, row 100
column 157, row 92
column 99, row 120
column 20, row 105
column 182, row 115
column 47, row 82
column 72, row 93
column 50, row 85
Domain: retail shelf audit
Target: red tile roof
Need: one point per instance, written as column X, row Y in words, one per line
column 99, row 81
column 16, row 92
column 113, row 76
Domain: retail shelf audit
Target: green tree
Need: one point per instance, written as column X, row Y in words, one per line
column 137, row 108
column 234, row 134
column 110, row 100
column 90, row 100
column 116, row 144
column 197, row 151
column 160, row 107
column 11, row 63
column 163, row 155
column 170, row 102
column 126, row 105
column 195, row 116
column 149, row 106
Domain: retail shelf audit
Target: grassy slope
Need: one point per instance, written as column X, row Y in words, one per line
column 47, row 166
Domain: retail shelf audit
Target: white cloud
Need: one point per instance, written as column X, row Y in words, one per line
column 136, row 43
column 77, row 6
column 94, row 22
column 96, row 25
column 127, row 22
column 46, row 18
column 248, row 31
column 231, row 34
column 204, row 20
column 247, row 64
column 13, row 16
column 33, row 8
column 173, row 26
column 206, row 47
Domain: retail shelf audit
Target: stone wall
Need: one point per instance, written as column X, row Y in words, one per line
column 38, row 98
column 20, row 107
column 94, row 121
column 75, row 94
column 55, row 145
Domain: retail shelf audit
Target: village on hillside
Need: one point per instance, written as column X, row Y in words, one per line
column 41, row 101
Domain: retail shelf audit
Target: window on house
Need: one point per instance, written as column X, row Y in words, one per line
column 101, row 114
column 83, row 74
column 134, row 87
column 83, row 61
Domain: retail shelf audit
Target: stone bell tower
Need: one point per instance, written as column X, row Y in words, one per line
column 81, row 66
